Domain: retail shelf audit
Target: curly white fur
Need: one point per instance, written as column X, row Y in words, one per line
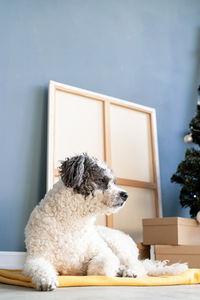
column 61, row 238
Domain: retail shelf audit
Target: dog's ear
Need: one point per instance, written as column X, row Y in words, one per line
column 72, row 170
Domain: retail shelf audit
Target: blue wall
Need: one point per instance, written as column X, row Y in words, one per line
column 146, row 51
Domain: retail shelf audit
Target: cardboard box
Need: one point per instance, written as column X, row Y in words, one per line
column 144, row 251
column 189, row 254
column 171, row 231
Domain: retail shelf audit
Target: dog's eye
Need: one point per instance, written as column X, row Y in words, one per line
column 104, row 179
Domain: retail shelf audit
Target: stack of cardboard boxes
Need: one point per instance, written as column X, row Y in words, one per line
column 175, row 239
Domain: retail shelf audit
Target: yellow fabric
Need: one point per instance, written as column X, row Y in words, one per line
column 192, row 276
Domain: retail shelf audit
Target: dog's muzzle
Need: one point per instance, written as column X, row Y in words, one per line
column 122, row 197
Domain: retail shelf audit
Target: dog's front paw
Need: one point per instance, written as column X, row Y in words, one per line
column 137, row 271
column 46, row 284
column 129, row 273
column 42, row 273
column 124, row 272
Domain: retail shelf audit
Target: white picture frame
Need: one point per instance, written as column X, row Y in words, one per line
column 137, row 129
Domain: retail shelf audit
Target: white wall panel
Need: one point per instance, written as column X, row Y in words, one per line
column 131, row 144
column 78, row 126
column 140, row 204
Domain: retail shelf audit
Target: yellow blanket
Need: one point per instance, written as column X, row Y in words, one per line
column 192, row 276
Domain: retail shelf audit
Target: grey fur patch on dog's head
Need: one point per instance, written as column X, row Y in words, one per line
column 84, row 174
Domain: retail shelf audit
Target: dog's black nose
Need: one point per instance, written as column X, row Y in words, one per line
column 123, row 195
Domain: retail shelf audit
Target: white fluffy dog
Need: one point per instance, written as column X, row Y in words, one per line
column 61, row 237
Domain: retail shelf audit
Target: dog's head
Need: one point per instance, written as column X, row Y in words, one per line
column 95, row 181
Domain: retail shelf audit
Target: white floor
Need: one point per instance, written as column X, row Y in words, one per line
column 191, row 292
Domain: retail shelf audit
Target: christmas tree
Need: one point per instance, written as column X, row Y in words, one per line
column 188, row 171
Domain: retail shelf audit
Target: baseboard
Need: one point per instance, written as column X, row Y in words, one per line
column 12, row 260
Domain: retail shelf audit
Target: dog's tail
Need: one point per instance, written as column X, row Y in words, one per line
column 159, row 268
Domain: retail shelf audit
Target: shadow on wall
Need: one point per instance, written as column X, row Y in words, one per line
column 36, row 168
column 195, row 80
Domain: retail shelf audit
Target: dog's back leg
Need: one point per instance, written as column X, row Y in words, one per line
column 42, row 273
column 123, row 246
column 126, row 250
column 103, row 264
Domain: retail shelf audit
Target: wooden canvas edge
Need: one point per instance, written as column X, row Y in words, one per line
column 156, row 165
column 102, row 97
